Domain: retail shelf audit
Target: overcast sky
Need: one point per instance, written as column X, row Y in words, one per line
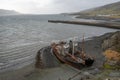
column 51, row 6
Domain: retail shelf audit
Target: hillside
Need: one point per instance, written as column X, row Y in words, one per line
column 8, row 12
column 106, row 11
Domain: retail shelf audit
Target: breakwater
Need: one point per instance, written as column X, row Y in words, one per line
column 114, row 25
column 46, row 59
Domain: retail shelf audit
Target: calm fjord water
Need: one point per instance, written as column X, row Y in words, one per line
column 21, row 36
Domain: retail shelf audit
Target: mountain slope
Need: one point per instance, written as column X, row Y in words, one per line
column 113, row 8
column 8, row 12
column 110, row 10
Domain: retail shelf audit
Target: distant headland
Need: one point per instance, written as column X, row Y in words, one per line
column 4, row 12
column 104, row 16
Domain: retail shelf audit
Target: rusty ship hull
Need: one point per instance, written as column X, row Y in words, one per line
column 74, row 64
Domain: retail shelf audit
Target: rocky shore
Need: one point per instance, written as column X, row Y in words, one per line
column 104, row 18
column 48, row 67
column 111, row 47
column 95, row 47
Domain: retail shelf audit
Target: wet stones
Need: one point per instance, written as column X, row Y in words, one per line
column 114, row 74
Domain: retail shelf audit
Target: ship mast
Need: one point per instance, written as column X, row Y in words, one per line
column 73, row 47
column 83, row 45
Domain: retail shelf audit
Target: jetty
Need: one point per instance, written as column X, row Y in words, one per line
column 106, row 24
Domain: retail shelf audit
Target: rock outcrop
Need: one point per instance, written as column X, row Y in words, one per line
column 111, row 47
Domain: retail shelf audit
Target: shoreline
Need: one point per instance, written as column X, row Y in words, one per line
column 105, row 24
column 92, row 47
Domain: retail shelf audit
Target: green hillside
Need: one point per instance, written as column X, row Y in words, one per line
column 110, row 11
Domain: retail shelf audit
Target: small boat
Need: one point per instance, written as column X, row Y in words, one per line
column 71, row 55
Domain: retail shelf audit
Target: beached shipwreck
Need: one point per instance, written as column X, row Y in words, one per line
column 71, row 54
column 67, row 52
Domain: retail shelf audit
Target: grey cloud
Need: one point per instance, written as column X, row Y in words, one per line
column 78, row 5
column 53, row 6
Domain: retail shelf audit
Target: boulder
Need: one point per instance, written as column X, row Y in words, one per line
column 112, row 42
column 111, row 47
